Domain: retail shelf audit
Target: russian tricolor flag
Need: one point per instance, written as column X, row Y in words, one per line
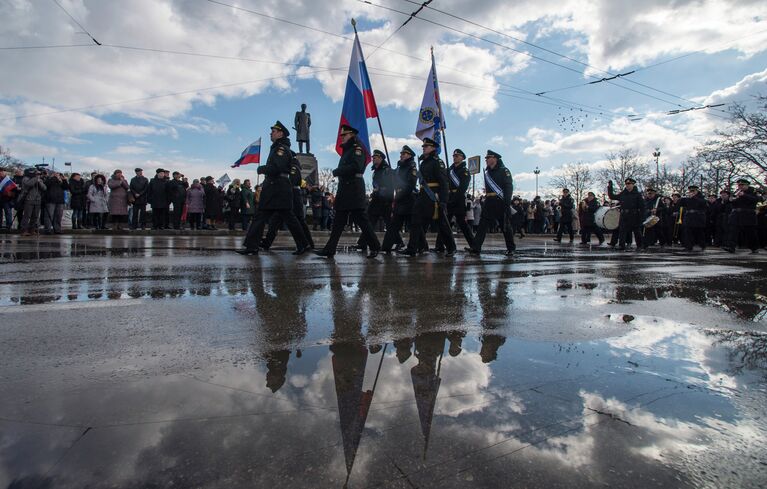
column 7, row 186
column 252, row 154
column 359, row 101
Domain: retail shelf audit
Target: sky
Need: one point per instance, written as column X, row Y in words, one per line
column 187, row 84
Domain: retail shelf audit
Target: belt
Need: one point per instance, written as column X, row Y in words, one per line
column 286, row 175
column 453, row 190
column 296, row 187
column 359, row 175
column 491, row 194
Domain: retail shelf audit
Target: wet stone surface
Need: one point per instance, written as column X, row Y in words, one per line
column 172, row 362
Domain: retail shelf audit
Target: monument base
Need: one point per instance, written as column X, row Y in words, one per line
column 309, row 168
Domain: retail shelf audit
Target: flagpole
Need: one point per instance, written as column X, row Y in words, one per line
column 441, row 114
column 378, row 115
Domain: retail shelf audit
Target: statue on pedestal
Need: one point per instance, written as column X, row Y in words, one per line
column 301, row 124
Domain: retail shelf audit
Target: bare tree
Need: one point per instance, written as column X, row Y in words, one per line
column 624, row 164
column 575, row 177
column 327, row 180
column 8, row 161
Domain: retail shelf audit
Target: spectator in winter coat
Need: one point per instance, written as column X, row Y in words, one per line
column 195, row 205
column 139, row 186
column 54, row 202
column 118, row 199
column 213, row 203
column 98, row 202
column 247, row 204
column 32, row 188
column 77, row 200
column 159, row 198
column 233, row 198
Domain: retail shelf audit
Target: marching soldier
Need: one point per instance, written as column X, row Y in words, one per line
column 742, row 219
column 694, row 218
column 350, row 198
column 632, row 212
column 405, row 178
column 381, row 197
column 430, row 203
column 276, row 194
column 275, row 224
column 458, row 182
column 498, row 189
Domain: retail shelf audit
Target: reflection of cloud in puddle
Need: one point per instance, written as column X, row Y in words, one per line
column 696, row 271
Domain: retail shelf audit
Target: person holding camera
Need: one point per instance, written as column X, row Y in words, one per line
column 54, row 202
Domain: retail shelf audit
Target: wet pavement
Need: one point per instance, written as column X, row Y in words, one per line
column 139, row 361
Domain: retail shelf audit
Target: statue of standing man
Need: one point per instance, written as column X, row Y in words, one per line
column 301, row 124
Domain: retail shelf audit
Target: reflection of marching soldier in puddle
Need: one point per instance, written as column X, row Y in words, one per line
column 494, row 305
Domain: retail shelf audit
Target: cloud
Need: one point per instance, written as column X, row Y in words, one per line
column 131, row 150
column 22, row 148
column 394, row 143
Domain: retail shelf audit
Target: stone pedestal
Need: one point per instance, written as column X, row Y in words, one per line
column 309, row 168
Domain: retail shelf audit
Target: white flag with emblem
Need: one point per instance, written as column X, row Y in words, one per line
column 431, row 119
column 224, row 180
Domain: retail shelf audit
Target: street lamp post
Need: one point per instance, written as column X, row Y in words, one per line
column 656, row 154
column 537, row 172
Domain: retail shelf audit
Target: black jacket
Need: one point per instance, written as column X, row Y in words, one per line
column 405, row 178
column 139, row 186
column 433, row 175
column 744, row 209
column 54, row 193
column 213, row 201
column 495, row 205
column 276, row 192
column 77, row 191
column 351, row 187
column 157, row 193
column 383, row 190
column 177, row 192
column 566, row 204
column 694, row 213
column 458, row 192
column 589, row 214
column 632, row 205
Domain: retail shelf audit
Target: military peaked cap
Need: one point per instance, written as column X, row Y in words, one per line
column 459, row 152
column 492, row 154
column 280, row 127
column 406, row 149
column 347, row 129
column 429, row 142
column 380, row 153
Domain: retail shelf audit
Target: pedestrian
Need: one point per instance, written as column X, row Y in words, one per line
column 118, row 199
column 566, row 208
column 195, row 205
column 139, row 188
column 742, row 222
column 350, row 198
column 632, row 212
column 478, row 203
column 276, row 195
column 380, row 204
column 8, row 192
column 77, row 200
column 177, row 194
column 31, row 196
column 233, row 198
column 315, row 198
column 591, row 206
column 517, row 219
column 56, row 184
column 213, row 203
column 405, row 178
column 653, row 207
column 430, row 203
column 327, row 208
column 158, row 197
column 88, row 216
column 499, row 188
column 247, row 204
column 98, row 201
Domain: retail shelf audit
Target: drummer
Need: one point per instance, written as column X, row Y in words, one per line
column 632, row 212
column 589, row 225
column 654, row 205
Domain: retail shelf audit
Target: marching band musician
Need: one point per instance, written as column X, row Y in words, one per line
column 694, row 218
column 589, row 225
column 676, row 218
column 742, row 218
column 632, row 209
column 654, row 206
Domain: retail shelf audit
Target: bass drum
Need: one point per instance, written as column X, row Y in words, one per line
column 608, row 218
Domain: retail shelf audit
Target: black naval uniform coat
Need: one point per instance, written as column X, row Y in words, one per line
column 434, row 176
column 456, row 203
column 351, row 186
column 405, row 178
column 276, row 192
column 494, row 209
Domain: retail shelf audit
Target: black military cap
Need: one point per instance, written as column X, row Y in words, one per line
column 429, row 142
column 159, row 170
column 457, row 151
column 743, row 181
column 378, row 152
column 650, row 190
column 76, row 174
column 406, row 149
column 280, row 127
column 566, row 190
column 693, row 187
column 492, row 154
column 629, row 180
column 347, row 129
column 137, row 170
column 176, row 173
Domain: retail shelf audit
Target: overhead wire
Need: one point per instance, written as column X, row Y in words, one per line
column 85, row 31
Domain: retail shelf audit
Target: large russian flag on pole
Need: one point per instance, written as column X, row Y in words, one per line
column 252, row 154
column 359, row 102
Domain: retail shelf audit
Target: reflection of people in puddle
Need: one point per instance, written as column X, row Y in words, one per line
column 494, row 306
column 429, row 348
column 490, row 345
column 276, row 368
column 404, row 348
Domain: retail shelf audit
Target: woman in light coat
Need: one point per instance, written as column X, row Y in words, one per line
column 118, row 199
column 98, row 201
column 195, row 205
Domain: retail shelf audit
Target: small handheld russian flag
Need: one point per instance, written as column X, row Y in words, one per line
column 252, row 154
column 7, row 186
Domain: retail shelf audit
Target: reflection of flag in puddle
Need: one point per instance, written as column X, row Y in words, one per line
column 426, row 380
column 349, row 361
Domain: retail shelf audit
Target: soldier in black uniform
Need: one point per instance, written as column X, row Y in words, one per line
column 694, row 218
column 498, row 189
column 458, row 182
column 589, row 224
column 632, row 212
column 430, row 203
column 381, row 197
column 721, row 213
column 350, row 198
column 742, row 219
column 275, row 224
column 654, row 207
column 276, row 194
column 405, row 178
